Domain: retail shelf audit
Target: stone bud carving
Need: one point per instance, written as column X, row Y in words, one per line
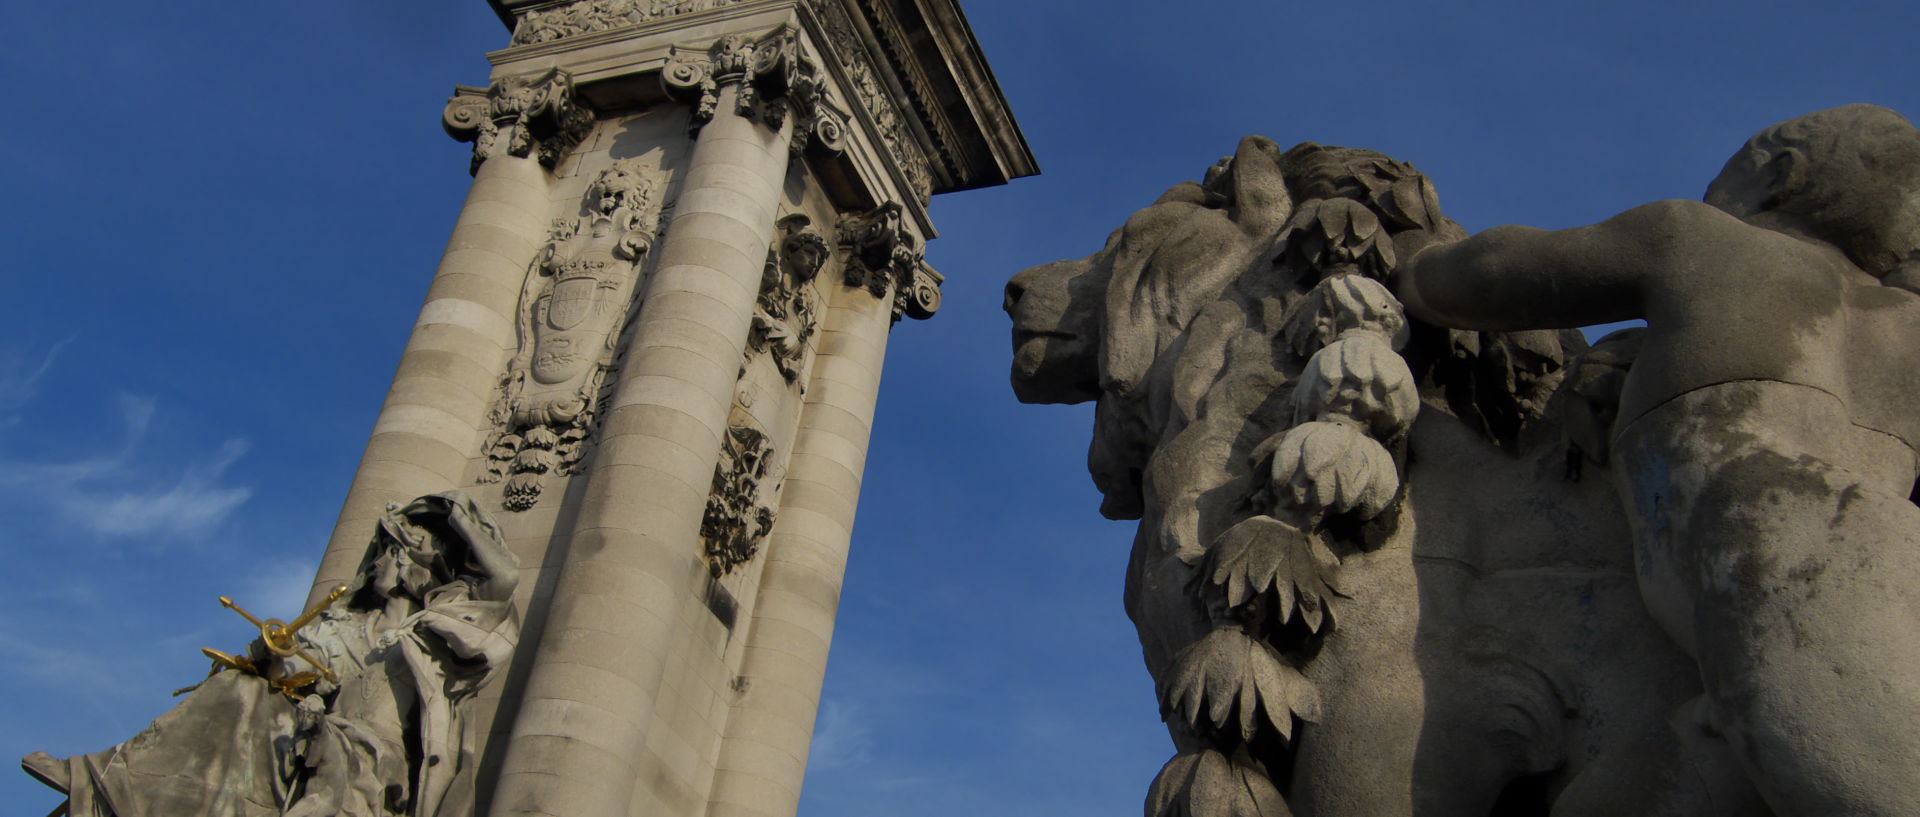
column 882, row 254
column 775, row 78
column 741, row 505
column 428, row 622
column 559, row 22
column 578, row 295
column 1322, row 468
column 1208, row 784
column 786, row 314
column 1342, row 304
column 517, row 114
column 1358, row 377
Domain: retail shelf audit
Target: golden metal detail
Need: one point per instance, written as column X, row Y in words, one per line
column 279, row 638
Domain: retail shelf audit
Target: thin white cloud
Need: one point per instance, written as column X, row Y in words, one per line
column 118, row 495
column 18, row 385
column 841, row 738
column 191, row 505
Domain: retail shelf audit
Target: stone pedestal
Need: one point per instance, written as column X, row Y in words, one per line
column 653, row 350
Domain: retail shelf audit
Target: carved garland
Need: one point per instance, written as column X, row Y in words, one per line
column 883, row 254
column 1271, row 582
column 577, row 296
column 774, row 77
column 518, row 114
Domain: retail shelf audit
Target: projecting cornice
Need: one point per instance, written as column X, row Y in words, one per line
column 914, row 65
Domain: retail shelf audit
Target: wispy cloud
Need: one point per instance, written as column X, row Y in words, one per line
column 841, row 737
column 19, row 381
column 189, row 505
column 119, row 494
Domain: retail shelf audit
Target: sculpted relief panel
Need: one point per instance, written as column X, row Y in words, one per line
column 570, row 19
column 577, row 297
column 1380, row 568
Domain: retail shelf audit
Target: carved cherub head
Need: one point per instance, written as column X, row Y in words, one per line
column 1849, row 176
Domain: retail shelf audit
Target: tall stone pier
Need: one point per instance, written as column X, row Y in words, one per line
column 653, row 349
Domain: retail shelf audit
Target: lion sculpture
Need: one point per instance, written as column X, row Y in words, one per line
column 1368, row 577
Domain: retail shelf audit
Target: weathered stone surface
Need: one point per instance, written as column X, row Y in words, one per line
column 1365, row 579
column 427, row 622
column 1764, row 445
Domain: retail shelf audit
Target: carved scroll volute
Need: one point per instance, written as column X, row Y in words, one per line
column 883, row 254
column 519, row 115
column 577, row 296
column 775, row 78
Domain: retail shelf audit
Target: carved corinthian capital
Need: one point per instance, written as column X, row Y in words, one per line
column 518, row 115
column 775, row 78
column 882, row 253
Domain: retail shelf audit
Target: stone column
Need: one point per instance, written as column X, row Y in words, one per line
column 763, row 761
column 580, row 738
column 435, row 412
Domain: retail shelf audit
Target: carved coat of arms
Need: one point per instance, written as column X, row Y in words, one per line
column 577, row 296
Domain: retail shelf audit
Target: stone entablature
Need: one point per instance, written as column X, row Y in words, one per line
column 928, row 104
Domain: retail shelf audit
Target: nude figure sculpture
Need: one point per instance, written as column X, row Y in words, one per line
column 1765, row 441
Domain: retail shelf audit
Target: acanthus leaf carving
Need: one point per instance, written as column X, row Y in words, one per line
column 740, row 507
column 883, row 254
column 578, row 294
column 786, row 314
column 517, row 114
column 775, row 78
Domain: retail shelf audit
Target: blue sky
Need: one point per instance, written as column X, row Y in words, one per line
column 219, row 220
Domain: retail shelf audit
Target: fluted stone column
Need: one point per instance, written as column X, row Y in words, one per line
column 435, row 412
column 764, row 758
column 580, row 739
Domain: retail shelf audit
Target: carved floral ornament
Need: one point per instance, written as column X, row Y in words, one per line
column 741, row 505
column 577, row 296
column 518, row 114
column 774, row 78
column 882, row 253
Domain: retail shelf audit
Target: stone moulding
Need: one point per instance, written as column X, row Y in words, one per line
column 578, row 294
column 559, row 21
column 882, row 254
column 518, row 114
column 775, row 78
column 849, row 50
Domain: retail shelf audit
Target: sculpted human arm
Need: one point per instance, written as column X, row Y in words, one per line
column 1511, row 278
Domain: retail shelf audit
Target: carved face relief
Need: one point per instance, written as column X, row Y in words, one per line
column 1056, row 330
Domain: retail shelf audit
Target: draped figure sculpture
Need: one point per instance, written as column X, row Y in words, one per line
column 426, row 623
